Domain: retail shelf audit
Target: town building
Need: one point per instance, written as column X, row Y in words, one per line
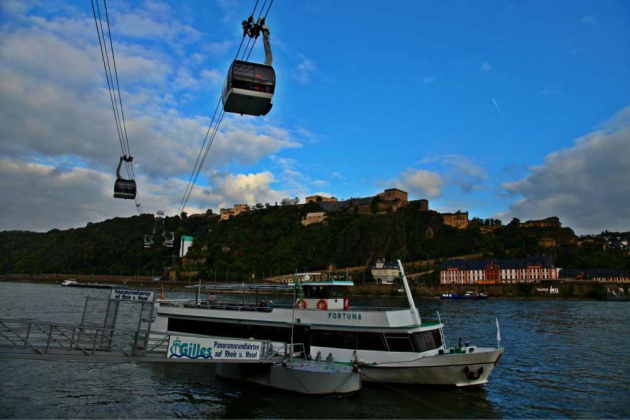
column 237, row 209
column 316, row 217
column 385, row 272
column 393, row 194
column 319, row 198
column 604, row 275
column 495, row 271
column 457, row 220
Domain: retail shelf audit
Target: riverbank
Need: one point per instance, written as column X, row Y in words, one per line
column 546, row 289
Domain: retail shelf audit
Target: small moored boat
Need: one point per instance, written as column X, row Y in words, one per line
column 467, row 295
column 74, row 283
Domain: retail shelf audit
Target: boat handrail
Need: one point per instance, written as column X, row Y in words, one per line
column 233, row 306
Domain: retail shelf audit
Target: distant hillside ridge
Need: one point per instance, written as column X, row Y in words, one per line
column 269, row 241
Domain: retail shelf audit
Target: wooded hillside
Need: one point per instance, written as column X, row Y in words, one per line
column 271, row 241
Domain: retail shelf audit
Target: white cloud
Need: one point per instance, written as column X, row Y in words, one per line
column 459, row 171
column 153, row 22
column 419, row 183
column 302, row 73
column 586, row 186
column 42, row 197
column 229, row 189
column 485, row 66
column 59, row 146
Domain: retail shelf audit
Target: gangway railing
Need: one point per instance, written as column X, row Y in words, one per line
column 28, row 339
column 103, row 335
column 60, row 340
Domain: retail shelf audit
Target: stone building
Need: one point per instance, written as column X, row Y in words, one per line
column 319, row 198
column 312, row 218
column 237, row 209
column 393, row 194
column 457, row 220
column 494, row 271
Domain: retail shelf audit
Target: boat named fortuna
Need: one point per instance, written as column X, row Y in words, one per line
column 390, row 345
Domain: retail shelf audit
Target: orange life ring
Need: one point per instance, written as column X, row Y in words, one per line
column 300, row 304
column 322, row 305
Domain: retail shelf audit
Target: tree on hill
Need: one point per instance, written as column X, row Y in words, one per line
column 271, row 240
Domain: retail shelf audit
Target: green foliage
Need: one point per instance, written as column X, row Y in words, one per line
column 271, row 240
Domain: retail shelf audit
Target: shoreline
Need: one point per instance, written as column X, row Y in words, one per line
column 523, row 291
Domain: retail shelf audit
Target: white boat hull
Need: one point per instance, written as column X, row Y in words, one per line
column 302, row 376
column 459, row 370
column 391, row 345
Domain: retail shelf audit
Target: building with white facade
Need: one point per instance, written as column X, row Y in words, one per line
column 494, row 271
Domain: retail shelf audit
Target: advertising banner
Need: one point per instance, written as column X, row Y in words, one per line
column 213, row 348
column 131, row 295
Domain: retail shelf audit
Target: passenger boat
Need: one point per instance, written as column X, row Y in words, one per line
column 467, row 295
column 390, row 345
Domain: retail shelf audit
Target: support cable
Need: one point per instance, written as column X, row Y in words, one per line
column 209, row 138
column 114, row 88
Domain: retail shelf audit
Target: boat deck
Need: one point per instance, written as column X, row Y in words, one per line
column 254, row 308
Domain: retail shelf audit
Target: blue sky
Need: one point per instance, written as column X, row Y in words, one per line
column 503, row 109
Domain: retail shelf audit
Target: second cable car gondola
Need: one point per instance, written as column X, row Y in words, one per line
column 124, row 188
column 249, row 87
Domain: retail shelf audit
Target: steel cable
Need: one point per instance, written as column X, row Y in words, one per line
column 114, row 89
column 208, row 141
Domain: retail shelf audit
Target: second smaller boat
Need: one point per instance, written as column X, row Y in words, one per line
column 467, row 295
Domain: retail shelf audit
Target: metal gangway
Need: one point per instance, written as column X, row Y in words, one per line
column 117, row 329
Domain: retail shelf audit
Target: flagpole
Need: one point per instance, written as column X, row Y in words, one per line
column 198, row 300
column 295, row 286
column 498, row 334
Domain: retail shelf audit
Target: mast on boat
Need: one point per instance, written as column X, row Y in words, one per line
column 412, row 305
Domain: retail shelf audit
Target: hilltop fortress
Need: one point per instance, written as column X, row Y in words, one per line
column 392, row 198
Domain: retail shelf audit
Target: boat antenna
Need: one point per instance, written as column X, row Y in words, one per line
column 296, row 283
column 498, row 334
column 441, row 329
column 412, row 305
column 199, row 293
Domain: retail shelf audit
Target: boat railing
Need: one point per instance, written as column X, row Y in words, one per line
column 228, row 306
column 233, row 306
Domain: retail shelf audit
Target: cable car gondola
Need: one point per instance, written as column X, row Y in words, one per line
column 249, row 87
column 124, row 188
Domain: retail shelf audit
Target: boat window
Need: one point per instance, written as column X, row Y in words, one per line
column 371, row 341
column 348, row 340
column 427, row 340
column 399, row 342
column 316, row 292
column 226, row 329
column 336, row 292
column 339, row 339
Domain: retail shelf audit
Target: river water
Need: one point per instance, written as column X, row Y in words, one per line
column 563, row 359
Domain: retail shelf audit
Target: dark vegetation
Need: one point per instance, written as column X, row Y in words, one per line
column 270, row 241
